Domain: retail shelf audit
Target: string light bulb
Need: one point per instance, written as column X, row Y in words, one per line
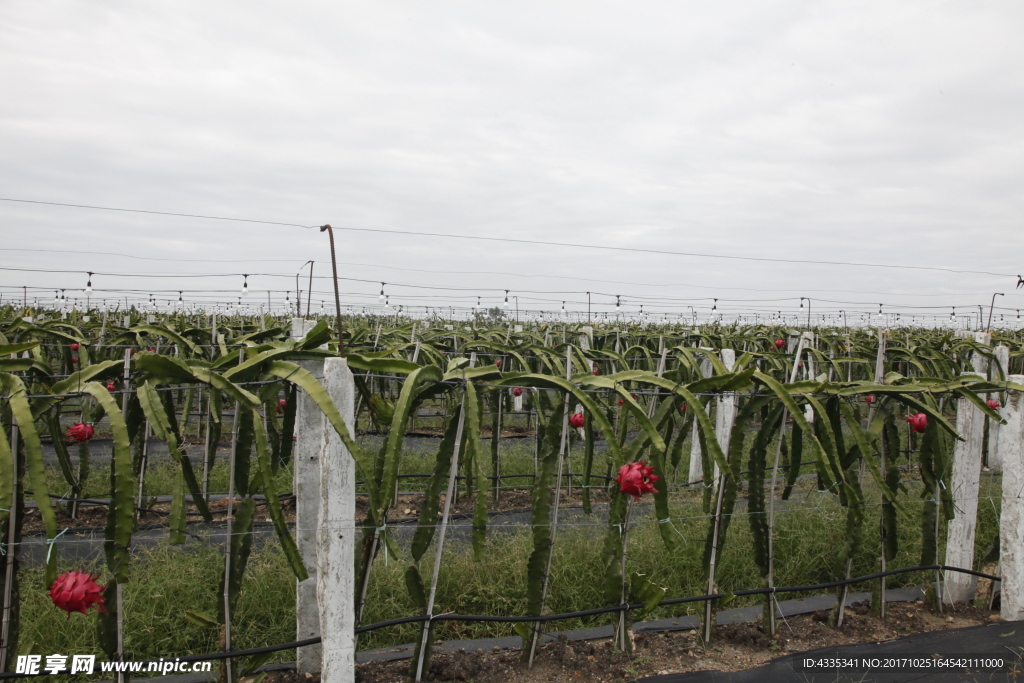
column 88, row 285
column 382, row 298
column 618, row 302
column 245, row 285
column 506, row 300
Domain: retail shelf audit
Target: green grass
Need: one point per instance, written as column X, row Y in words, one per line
column 167, row 581
column 159, row 480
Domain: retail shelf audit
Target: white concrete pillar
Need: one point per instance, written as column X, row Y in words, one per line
column 337, row 533
column 995, row 462
column 1011, row 519
column 726, row 414
column 965, row 480
column 306, row 487
column 696, row 462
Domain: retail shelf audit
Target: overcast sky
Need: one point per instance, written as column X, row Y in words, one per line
column 873, row 132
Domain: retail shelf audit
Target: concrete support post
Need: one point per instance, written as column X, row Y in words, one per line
column 995, row 462
column 336, row 534
column 1011, row 520
column 725, row 416
column 306, row 486
column 696, row 463
column 965, row 482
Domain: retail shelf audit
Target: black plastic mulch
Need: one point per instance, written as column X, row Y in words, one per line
column 1000, row 639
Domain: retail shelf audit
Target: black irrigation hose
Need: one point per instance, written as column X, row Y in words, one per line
column 557, row 617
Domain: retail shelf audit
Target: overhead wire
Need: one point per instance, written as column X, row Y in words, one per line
column 516, row 240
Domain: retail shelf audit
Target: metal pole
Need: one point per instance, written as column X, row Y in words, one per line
column 337, row 296
column 440, row 539
column 990, row 307
column 771, row 494
column 309, row 294
column 558, row 495
column 11, row 552
column 227, row 544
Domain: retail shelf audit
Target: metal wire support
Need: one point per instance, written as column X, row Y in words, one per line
column 337, row 295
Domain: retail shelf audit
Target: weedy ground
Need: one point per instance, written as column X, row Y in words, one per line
column 167, row 582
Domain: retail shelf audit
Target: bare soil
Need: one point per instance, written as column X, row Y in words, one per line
column 735, row 647
column 408, row 506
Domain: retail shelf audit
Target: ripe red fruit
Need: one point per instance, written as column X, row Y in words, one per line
column 779, row 343
column 576, row 420
column 993, row 404
column 111, row 386
column 682, row 408
column 517, row 391
column 918, row 422
column 131, row 352
column 80, row 432
column 869, row 399
column 636, row 479
column 596, row 371
column 151, row 349
column 621, row 402
column 74, row 347
column 77, row 591
column 74, row 359
column 498, row 362
column 281, row 403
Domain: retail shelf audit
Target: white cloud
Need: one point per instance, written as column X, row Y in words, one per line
column 830, row 131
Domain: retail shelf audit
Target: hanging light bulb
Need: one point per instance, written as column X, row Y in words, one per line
column 478, row 306
column 952, row 314
column 880, row 314
column 88, row 285
column 56, row 296
column 563, row 309
column 506, row 300
column 321, row 308
column 179, row 297
column 715, row 306
column 245, row 284
column 618, row 302
column 382, row 297
column 387, row 305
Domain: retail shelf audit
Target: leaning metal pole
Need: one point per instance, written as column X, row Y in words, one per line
column 337, row 296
